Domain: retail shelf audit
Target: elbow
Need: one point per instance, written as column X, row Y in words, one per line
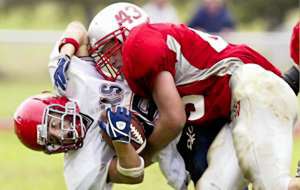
column 77, row 31
column 176, row 121
column 180, row 120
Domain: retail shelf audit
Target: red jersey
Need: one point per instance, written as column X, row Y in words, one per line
column 200, row 63
column 294, row 46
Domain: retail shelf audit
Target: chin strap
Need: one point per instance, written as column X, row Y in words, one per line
column 291, row 76
column 131, row 172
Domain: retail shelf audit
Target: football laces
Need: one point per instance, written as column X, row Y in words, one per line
column 136, row 136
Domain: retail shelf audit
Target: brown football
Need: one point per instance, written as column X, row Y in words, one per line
column 138, row 139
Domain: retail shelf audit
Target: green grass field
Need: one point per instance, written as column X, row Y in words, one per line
column 24, row 169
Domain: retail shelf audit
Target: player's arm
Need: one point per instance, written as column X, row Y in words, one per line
column 131, row 171
column 128, row 166
column 74, row 42
column 172, row 115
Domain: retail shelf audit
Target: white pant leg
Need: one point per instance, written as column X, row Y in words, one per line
column 223, row 172
column 262, row 126
column 172, row 166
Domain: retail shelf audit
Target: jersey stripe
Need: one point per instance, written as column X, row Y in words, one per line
column 187, row 73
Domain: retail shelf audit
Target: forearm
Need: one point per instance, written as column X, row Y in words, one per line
column 75, row 30
column 129, row 160
column 171, row 115
column 159, row 138
column 115, row 177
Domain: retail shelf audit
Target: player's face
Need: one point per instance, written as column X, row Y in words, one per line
column 116, row 58
column 58, row 132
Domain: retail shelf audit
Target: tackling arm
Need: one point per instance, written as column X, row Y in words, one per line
column 172, row 115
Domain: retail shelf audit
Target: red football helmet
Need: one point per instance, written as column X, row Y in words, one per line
column 31, row 122
column 108, row 30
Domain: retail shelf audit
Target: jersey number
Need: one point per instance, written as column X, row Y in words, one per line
column 111, row 94
column 214, row 41
column 129, row 14
column 194, row 105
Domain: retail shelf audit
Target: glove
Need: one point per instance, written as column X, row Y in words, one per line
column 118, row 126
column 60, row 79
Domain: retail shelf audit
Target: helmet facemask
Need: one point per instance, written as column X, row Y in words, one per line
column 107, row 54
column 71, row 129
column 113, row 24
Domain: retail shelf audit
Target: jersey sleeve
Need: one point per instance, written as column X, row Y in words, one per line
column 53, row 58
column 294, row 45
column 144, row 59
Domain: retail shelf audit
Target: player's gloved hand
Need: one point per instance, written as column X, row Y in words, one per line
column 60, row 78
column 118, row 126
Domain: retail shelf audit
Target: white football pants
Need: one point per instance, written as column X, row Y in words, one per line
column 257, row 144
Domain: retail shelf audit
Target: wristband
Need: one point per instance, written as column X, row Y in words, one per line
column 131, row 172
column 69, row 41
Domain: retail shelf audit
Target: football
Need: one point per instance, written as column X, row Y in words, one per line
column 138, row 139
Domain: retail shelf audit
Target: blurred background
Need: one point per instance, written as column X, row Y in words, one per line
column 29, row 29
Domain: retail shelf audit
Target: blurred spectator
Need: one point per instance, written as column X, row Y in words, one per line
column 212, row 17
column 161, row 11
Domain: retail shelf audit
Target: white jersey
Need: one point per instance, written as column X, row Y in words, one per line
column 87, row 167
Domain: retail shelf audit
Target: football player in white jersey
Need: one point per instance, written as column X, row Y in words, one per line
column 89, row 162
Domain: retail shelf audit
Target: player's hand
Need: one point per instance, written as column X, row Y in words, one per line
column 60, row 78
column 118, row 124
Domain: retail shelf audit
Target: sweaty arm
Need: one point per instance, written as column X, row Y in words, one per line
column 76, row 31
column 172, row 115
column 128, row 159
column 73, row 42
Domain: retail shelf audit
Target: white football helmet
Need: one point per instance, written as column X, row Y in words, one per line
column 111, row 26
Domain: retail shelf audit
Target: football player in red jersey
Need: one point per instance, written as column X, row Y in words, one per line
column 196, row 78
